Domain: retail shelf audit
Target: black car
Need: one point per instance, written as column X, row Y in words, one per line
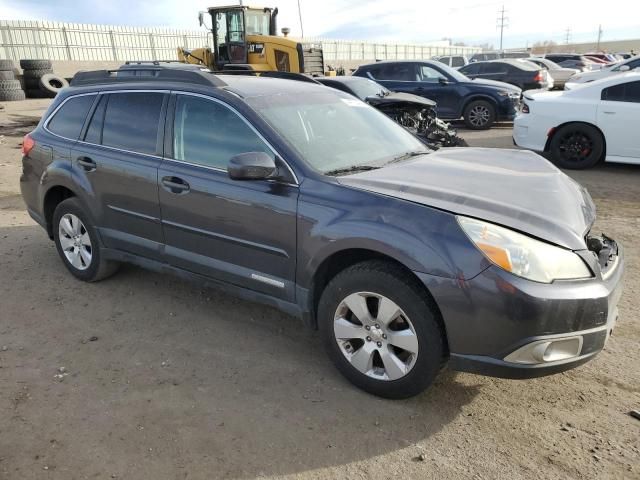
column 521, row 73
column 302, row 197
column 479, row 102
column 415, row 113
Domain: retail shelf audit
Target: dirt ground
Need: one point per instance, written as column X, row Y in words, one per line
column 164, row 379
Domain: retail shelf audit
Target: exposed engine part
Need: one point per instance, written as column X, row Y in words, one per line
column 424, row 123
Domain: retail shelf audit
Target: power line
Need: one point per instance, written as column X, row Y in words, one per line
column 567, row 35
column 502, row 23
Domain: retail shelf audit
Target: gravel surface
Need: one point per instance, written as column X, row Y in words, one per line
column 147, row 376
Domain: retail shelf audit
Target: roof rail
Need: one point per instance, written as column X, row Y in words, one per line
column 147, row 73
column 300, row 77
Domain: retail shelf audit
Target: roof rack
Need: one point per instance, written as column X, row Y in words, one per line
column 148, row 73
column 300, row 77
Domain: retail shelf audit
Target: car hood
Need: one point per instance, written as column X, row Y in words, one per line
column 399, row 98
column 494, row 83
column 514, row 188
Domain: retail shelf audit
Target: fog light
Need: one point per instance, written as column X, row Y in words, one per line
column 547, row 351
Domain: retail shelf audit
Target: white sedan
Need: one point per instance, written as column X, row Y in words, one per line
column 580, row 127
column 606, row 71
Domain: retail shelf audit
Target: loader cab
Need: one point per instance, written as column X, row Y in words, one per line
column 230, row 27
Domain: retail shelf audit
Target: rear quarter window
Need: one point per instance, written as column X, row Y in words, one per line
column 69, row 119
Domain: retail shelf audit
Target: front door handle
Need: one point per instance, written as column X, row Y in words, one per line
column 609, row 113
column 87, row 163
column 175, row 185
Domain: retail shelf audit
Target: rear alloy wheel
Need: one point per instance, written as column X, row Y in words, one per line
column 577, row 146
column 77, row 243
column 380, row 330
column 479, row 115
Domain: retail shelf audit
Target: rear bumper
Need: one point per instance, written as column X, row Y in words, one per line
column 501, row 325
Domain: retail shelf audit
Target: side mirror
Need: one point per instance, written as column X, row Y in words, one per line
column 624, row 68
column 443, row 81
column 251, row 166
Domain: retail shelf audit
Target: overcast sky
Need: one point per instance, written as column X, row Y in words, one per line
column 410, row 21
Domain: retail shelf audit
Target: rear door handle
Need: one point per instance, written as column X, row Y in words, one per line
column 87, row 163
column 175, row 185
column 609, row 113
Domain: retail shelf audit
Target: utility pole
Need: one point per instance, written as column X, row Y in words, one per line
column 567, row 35
column 599, row 37
column 300, row 15
column 502, row 24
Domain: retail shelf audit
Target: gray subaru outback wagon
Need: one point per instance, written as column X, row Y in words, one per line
column 305, row 198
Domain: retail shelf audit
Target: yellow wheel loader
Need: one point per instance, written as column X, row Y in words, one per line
column 246, row 38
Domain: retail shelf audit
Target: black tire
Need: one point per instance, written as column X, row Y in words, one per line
column 7, row 75
column 52, row 84
column 11, row 95
column 390, row 281
column 36, row 93
column 577, row 146
column 479, row 115
column 7, row 65
column 35, row 64
column 36, row 73
column 97, row 268
column 31, row 83
column 6, row 85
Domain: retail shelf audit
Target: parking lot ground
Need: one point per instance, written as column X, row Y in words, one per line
column 147, row 376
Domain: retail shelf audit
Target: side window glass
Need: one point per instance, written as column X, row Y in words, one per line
column 614, row 93
column 69, row 119
column 402, row 72
column 632, row 92
column 430, row 74
column 209, row 134
column 131, row 121
column 94, row 131
column 457, row 62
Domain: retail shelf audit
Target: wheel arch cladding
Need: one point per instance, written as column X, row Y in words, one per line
column 554, row 131
column 52, row 199
column 343, row 259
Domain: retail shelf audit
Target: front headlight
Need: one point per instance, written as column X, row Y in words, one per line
column 523, row 255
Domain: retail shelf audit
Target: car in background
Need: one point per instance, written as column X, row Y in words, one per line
column 573, row 60
column 417, row 114
column 581, row 127
column 495, row 55
column 585, row 77
column 479, row 102
column 518, row 72
column 559, row 74
column 604, row 57
column 453, row 61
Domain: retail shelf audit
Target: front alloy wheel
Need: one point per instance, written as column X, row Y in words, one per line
column 381, row 329
column 75, row 241
column 375, row 336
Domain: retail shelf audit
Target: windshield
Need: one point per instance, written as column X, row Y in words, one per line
column 333, row 131
column 364, row 87
column 257, row 22
column 453, row 73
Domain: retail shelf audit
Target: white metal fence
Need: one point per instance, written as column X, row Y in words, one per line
column 85, row 42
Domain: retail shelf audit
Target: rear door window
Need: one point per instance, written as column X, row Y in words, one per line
column 94, row 130
column 69, row 119
column 398, row 71
column 624, row 92
column 132, row 120
column 494, row 67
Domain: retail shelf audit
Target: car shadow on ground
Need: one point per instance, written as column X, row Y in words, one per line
column 163, row 376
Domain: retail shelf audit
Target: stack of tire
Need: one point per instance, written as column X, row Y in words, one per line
column 39, row 79
column 10, row 88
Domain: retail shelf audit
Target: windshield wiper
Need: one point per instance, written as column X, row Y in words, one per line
column 352, row 169
column 407, row 155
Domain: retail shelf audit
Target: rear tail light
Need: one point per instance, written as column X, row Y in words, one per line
column 539, row 77
column 27, row 144
column 525, row 108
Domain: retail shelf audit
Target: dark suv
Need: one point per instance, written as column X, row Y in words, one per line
column 479, row 102
column 305, row 198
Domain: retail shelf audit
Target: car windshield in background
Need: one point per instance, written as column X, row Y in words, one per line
column 336, row 132
column 364, row 88
column 453, row 73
